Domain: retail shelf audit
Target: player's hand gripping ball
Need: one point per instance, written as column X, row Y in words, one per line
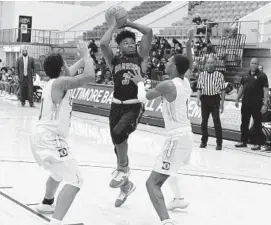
column 117, row 13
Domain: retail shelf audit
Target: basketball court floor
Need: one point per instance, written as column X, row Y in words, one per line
column 229, row 187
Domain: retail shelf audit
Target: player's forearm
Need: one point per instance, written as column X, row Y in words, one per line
column 189, row 54
column 265, row 99
column 144, row 96
column 106, row 39
column 141, row 93
column 223, row 94
column 198, row 94
column 141, row 28
column 240, row 93
column 76, row 66
column 89, row 66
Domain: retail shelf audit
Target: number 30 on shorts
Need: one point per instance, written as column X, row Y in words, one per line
column 63, row 152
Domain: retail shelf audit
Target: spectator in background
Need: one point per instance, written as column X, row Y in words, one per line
column 196, row 20
column 108, row 78
column 93, row 48
column 254, row 93
column 161, row 65
column 3, row 81
column 25, row 70
column 99, row 79
column 208, row 45
column 13, row 70
column 177, row 46
column 231, row 30
column 165, row 46
column 260, row 67
column 210, row 86
column 138, row 46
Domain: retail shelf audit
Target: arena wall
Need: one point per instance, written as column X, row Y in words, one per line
column 98, row 16
column 257, row 30
column 45, row 16
column 166, row 15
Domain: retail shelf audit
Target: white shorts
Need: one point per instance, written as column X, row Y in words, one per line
column 175, row 153
column 52, row 152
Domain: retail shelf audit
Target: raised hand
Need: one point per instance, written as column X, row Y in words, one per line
column 82, row 49
column 136, row 76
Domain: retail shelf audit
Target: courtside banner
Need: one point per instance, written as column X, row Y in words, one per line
column 230, row 118
column 100, row 96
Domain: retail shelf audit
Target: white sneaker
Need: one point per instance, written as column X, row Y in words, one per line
column 123, row 195
column 14, row 97
column 119, row 178
column 177, row 203
column 45, row 209
column 168, row 222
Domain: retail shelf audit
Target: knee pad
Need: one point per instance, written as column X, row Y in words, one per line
column 119, row 136
column 77, row 180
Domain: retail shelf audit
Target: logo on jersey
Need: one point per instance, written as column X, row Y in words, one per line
column 63, row 152
column 166, row 165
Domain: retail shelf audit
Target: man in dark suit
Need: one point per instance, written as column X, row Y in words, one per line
column 25, row 70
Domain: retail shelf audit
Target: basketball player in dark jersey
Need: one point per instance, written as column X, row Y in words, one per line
column 126, row 109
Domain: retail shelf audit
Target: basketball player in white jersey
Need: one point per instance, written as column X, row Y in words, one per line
column 178, row 145
column 48, row 141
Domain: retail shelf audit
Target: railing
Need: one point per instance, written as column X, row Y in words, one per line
column 254, row 31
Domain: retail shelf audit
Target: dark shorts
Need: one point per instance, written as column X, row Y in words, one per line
column 123, row 120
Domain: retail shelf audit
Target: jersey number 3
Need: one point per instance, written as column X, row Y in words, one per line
column 125, row 80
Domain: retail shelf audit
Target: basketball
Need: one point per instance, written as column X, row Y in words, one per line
column 119, row 13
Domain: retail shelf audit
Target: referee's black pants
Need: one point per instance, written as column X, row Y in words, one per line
column 254, row 110
column 210, row 104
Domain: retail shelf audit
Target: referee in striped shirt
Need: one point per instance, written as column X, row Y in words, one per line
column 210, row 96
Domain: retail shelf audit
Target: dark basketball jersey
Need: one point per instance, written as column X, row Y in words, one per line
column 125, row 89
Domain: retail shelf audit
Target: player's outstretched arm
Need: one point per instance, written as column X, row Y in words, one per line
column 76, row 66
column 164, row 88
column 88, row 76
column 189, row 52
column 146, row 39
column 104, row 44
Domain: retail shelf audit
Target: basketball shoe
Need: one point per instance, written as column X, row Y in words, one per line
column 45, row 209
column 177, row 203
column 124, row 194
column 168, row 222
column 119, row 178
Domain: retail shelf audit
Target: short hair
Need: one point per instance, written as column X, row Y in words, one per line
column 125, row 34
column 5, row 69
column 182, row 63
column 52, row 65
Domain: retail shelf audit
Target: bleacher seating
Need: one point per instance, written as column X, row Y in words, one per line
column 220, row 11
column 134, row 14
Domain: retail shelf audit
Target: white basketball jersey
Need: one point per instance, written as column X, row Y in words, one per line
column 175, row 113
column 55, row 117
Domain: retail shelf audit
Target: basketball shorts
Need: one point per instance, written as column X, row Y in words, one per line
column 175, row 153
column 53, row 153
column 123, row 120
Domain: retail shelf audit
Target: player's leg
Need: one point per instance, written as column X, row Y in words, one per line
column 114, row 117
column 68, row 170
column 154, row 184
column 178, row 199
column 120, row 133
column 47, row 205
column 181, row 155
